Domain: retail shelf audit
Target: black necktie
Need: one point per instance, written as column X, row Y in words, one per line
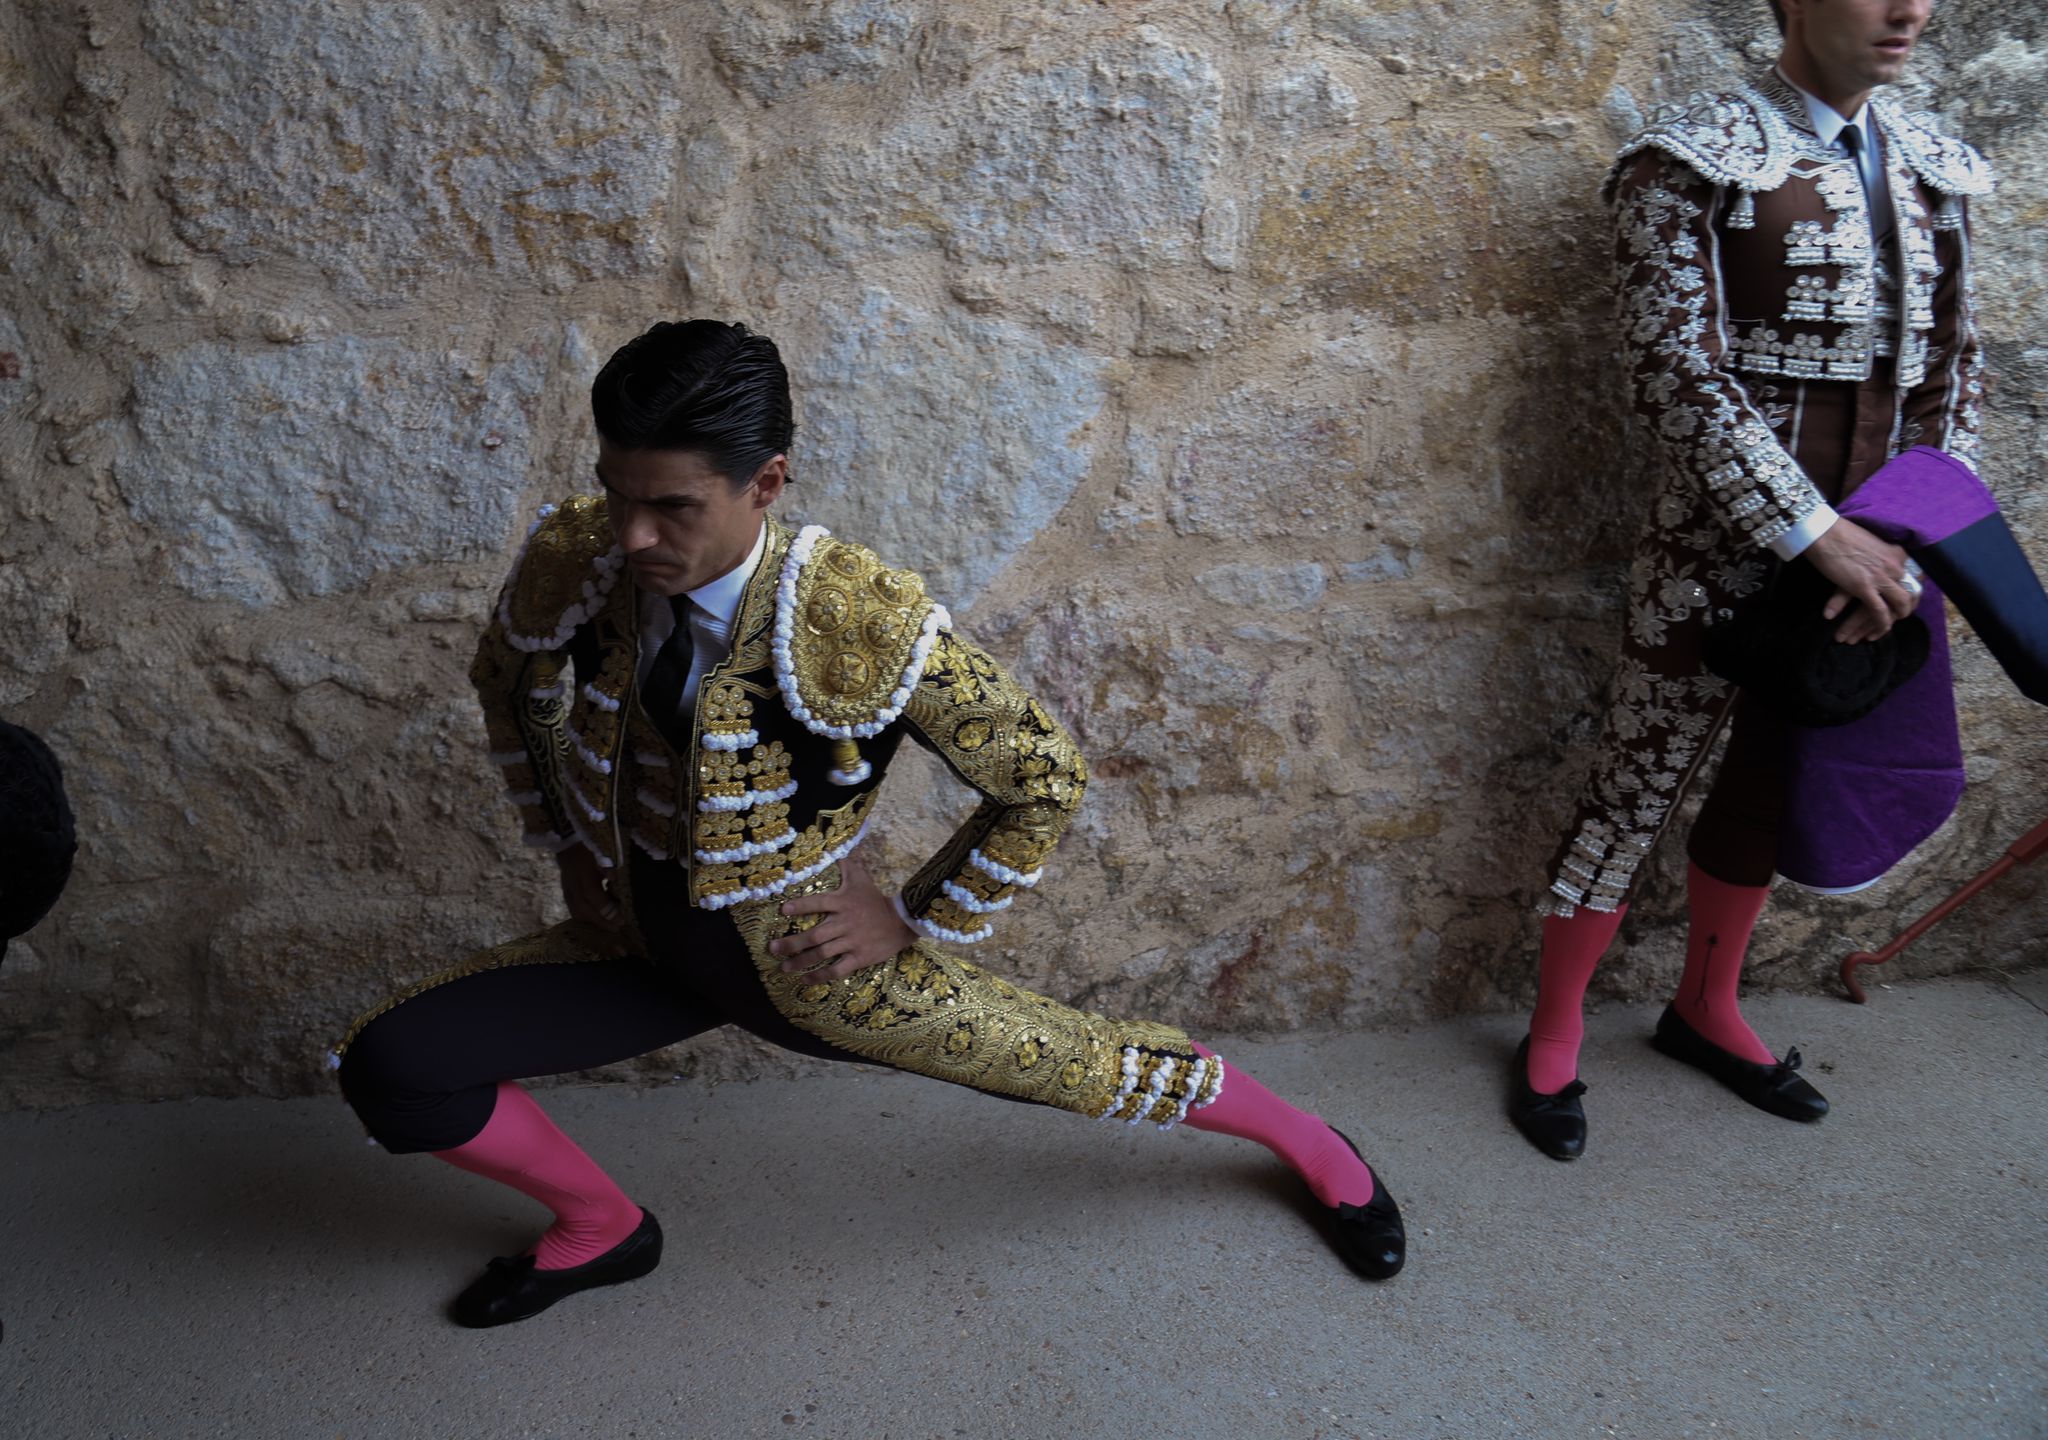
column 1851, row 140
column 662, row 695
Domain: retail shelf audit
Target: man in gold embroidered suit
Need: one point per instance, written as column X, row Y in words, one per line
column 694, row 708
column 1793, row 262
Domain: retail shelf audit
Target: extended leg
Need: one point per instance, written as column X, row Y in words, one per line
column 435, row 1074
column 929, row 1012
column 1367, row 1228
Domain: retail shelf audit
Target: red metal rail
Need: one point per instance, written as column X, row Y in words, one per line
column 2023, row 851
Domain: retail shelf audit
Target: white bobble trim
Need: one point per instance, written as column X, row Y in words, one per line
column 654, row 802
column 935, row 620
column 932, row 931
column 594, row 593
column 747, row 801
column 598, row 698
column 854, row 776
column 997, row 870
column 744, row 740
column 783, row 882
column 970, row 902
column 589, row 757
column 1155, row 1088
column 1130, row 1084
column 1194, row 1088
column 747, row 851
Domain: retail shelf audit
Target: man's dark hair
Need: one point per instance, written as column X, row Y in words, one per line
column 698, row 385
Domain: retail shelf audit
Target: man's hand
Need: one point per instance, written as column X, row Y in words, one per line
column 860, row 928
column 584, row 887
column 1866, row 570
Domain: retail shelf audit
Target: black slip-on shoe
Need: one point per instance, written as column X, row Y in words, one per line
column 1370, row 1237
column 1776, row 1088
column 512, row 1289
column 1554, row 1124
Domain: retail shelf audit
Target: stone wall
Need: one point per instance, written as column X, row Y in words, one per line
column 1242, row 371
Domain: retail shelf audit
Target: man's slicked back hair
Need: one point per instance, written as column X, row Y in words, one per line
column 699, row 385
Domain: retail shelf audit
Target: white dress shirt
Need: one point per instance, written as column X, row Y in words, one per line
column 712, row 609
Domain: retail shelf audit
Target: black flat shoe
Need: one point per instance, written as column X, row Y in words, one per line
column 1554, row 1124
column 511, row 1289
column 1369, row 1237
column 1776, row 1088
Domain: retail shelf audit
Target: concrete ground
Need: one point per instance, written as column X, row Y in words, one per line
column 868, row 1255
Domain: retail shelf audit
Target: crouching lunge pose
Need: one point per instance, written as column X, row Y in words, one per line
column 1793, row 262
column 694, row 708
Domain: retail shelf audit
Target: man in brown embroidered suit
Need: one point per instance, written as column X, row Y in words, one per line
column 1794, row 274
column 694, row 708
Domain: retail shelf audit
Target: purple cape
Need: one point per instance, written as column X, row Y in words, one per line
column 1860, row 796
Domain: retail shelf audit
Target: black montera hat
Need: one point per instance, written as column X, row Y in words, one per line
column 36, row 836
column 1780, row 648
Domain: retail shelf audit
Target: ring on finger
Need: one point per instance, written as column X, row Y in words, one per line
column 1910, row 583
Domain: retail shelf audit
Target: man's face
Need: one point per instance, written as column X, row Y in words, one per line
column 680, row 523
column 1857, row 45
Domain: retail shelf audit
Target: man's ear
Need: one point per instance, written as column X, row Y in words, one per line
column 769, row 480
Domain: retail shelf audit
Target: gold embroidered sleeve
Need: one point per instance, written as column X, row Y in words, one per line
column 525, row 700
column 563, row 577
column 1666, row 271
column 995, row 736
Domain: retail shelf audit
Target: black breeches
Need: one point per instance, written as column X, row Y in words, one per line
column 1735, row 838
column 424, row 1074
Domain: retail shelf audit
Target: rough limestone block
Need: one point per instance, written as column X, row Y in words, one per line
column 771, row 49
column 1110, row 153
column 944, row 440
column 391, row 144
column 301, row 471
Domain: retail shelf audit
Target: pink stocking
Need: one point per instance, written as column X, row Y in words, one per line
column 1723, row 916
column 519, row 1146
column 1571, row 951
column 1314, row 1151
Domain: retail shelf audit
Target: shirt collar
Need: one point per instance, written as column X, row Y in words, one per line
column 1829, row 123
column 720, row 598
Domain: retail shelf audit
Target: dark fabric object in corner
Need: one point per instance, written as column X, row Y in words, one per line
column 37, row 837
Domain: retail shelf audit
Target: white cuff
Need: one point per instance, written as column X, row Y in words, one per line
column 939, row 932
column 1793, row 542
